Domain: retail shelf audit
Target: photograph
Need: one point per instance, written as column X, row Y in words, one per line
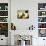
column 41, row 25
column 41, row 6
column 3, row 19
column 23, row 14
column 3, row 6
column 41, row 13
column 3, row 13
column 4, row 29
column 41, row 19
column 42, row 32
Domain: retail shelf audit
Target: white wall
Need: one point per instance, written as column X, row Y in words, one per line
column 32, row 6
column 24, row 24
column 23, row 5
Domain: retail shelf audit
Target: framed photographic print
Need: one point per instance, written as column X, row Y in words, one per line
column 23, row 14
column 3, row 19
column 4, row 29
column 41, row 6
column 42, row 32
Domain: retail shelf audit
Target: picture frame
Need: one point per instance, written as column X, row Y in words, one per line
column 22, row 14
column 42, row 33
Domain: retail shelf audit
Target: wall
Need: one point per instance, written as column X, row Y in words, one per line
column 32, row 6
column 24, row 5
column 23, row 25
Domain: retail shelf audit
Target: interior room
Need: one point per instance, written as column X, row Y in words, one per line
column 22, row 22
